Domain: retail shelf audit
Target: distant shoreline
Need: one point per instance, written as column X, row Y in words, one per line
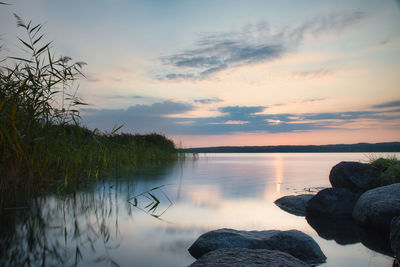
column 387, row 147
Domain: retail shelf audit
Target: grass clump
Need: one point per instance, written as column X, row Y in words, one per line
column 41, row 140
column 389, row 169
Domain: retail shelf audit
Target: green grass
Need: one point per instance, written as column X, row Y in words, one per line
column 389, row 168
column 41, row 140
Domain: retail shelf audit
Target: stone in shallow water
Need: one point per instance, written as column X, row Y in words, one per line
column 356, row 176
column 377, row 207
column 333, row 202
column 243, row 257
column 293, row 242
column 295, row 204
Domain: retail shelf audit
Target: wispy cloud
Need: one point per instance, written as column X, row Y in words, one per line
column 255, row 43
column 208, row 100
column 392, row 104
column 314, row 73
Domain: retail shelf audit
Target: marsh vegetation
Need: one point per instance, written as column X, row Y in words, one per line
column 42, row 143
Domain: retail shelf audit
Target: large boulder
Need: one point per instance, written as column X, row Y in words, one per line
column 293, row 242
column 356, row 176
column 395, row 236
column 377, row 207
column 333, row 202
column 242, row 257
column 294, row 204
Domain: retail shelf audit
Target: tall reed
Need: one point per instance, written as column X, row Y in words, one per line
column 41, row 140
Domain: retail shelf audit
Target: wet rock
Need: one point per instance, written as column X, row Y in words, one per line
column 342, row 229
column 292, row 242
column 294, row 204
column 377, row 207
column 395, row 236
column 243, row 257
column 333, row 202
column 356, row 176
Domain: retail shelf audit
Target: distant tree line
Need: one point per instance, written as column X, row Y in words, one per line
column 360, row 147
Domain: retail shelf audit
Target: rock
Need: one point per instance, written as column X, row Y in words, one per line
column 342, row 229
column 243, row 257
column 391, row 175
column 292, row 242
column 294, row 204
column 356, row 176
column 333, row 202
column 395, row 236
column 377, row 207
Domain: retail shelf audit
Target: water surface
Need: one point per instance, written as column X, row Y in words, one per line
column 122, row 221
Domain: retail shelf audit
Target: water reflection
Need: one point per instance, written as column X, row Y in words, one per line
column 278, row 172
column 129, row 220
column 79, row 228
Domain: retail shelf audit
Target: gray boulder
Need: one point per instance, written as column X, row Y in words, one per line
column 243, row 257
column 292, row 242
column 333, row 202
column 377, row 207
column 294, row 204
column 356, row 176
column 395, row 236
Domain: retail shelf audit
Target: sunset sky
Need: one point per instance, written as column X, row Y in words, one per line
column 211, row 73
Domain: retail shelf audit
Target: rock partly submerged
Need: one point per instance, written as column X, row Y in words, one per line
column 377, row 207
column 243, row 257
column 293, row 242
column 356, row 176
column 294, row 204
column 333, row 202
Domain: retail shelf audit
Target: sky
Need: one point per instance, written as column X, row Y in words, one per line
column 217, row 73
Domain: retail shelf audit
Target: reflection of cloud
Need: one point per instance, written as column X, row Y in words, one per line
column 254, row 44
column 176, row 246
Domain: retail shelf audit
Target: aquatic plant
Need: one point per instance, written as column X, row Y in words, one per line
column 42, row 142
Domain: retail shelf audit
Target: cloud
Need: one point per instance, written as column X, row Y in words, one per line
column 208, row 100
column 392, row 104
column 233, row 119
column 253, row 44
column 124, row 97
column 314, row 73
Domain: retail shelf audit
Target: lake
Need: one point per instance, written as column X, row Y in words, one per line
column 150, row 216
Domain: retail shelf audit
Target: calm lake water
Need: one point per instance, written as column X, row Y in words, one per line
column 121, row 220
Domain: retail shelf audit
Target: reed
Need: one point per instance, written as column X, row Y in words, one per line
column 41, row 140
